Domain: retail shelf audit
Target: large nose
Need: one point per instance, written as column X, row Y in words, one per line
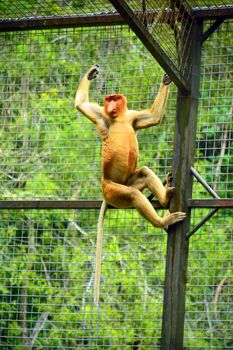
column 111, row 106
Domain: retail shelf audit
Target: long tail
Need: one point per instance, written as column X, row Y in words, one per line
column 98, row 258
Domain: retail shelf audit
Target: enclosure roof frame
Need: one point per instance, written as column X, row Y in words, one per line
column 52, row 22
column 125, row 16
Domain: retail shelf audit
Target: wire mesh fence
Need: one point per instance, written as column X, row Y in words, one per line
column 37, row 9
column 49, row 151
column 210, row 285
column 170, row 25
column 215, row 120
column 209, row 3
column 47, row 276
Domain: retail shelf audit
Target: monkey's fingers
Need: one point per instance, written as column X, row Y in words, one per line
column 176, row 217
column 93, row 72
column 166, row 79
column 172, row 218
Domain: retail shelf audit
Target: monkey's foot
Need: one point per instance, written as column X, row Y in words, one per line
column 93, row 72
column 166, row 79
column 169, row 189
column 171, row 218
column 169, row 178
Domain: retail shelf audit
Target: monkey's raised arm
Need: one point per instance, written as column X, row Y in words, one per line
column 92, row 111
column 153, row 116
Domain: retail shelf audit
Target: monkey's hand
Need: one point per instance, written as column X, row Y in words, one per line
column 93, row 72
column 166, row 79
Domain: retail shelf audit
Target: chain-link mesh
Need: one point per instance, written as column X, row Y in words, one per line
column 37, row 9
column 46, row 151
column 169, row 24
column 209, row 3
column 210, row 285
column 20, row 9
column 47, row 274
column 215, row 120
column 49, row 151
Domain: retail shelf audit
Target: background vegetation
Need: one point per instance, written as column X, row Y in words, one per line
column 47, row 152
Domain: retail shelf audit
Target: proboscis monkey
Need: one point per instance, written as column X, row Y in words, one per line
column 122, row 181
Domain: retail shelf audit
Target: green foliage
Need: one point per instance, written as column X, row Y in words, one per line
column 46, row 278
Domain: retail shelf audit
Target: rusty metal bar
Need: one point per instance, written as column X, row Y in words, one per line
column 61, row 22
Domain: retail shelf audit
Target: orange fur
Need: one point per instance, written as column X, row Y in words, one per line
column 122, row 181
column 114, row 105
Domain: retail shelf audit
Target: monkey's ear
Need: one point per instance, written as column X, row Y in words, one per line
column 93, row 72
column 166, row 79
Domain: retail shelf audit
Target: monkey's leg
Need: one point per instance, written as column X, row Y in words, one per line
column 121, row 196
column 146, row 178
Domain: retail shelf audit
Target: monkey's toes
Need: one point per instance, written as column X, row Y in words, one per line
column 171, row 190
column 169, row 179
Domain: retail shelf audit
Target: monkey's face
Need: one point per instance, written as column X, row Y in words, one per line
column 115, row 105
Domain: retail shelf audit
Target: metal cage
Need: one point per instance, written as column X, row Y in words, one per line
column 158, row 290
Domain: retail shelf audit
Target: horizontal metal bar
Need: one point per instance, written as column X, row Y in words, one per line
column 58, row 204
column 61, row 22
column 50, row 204
column 213, row 12
column 98, row 20
column 96, row 204
column 210, row 203
column 106, row 19
column 48, row 22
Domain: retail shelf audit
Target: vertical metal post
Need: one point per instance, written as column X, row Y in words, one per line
column 177, row 243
